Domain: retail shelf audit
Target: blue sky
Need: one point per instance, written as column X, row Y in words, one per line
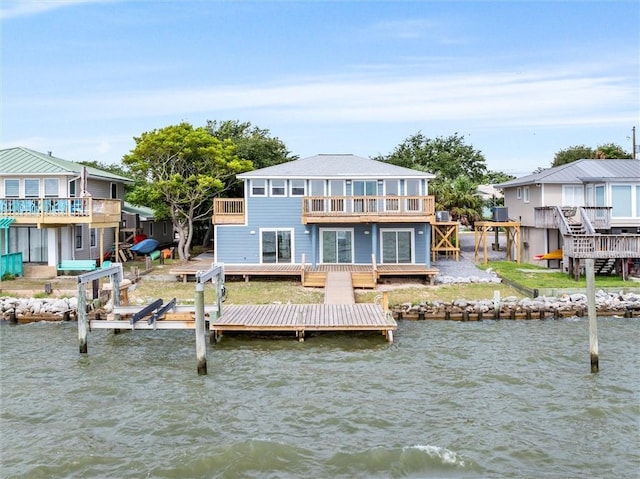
column 520, row 80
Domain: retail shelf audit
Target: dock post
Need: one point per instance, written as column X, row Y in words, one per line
column 82, row 318
column 593, row 318
column 201, row 345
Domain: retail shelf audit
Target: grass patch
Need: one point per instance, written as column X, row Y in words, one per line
column 238, row 292
column 535, row 276
column 446, row 293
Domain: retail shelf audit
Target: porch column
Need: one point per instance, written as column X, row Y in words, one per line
column 314, row 246
column 52, row 246
column 374, row 240
column 427, row 238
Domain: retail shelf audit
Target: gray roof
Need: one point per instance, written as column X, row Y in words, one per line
column 581, row 171
column 25, row 162
column 335, row 166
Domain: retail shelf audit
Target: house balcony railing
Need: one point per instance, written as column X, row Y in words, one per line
column 228, row 211
column 57, row 211
column 368, row 209
column 548, row 216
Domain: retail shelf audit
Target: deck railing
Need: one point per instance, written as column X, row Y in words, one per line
column 390, row 207
column 51, row 210
column 549, row 216
column 228, row 211
column 602, row 246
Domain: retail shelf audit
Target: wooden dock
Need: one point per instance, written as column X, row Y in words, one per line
column 301, row 318
column 282, row 318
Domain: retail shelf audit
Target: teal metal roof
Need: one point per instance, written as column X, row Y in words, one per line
column 23, row 161
column 146, row 214
column 6, row 222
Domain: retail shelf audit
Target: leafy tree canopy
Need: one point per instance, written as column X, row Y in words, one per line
column 178, row 171
column 581, row 152
column 447, row 158
column 116, row 169
column 252, row 143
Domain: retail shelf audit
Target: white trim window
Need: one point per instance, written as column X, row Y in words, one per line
column 31, row 187
column 518, row 193
column 113, row 189
column 624, row 201
column 11, row 188
column 297, row 187
column 93, row 238
column 51, row 187
column 258, row 187
column 525, row 194
column 572, row 195
column 278, row 188
column 78, row 236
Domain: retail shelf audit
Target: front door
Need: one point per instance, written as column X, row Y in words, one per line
column 336, row 246
column 397, row 246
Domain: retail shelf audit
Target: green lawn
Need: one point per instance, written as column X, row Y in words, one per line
column 532, row 276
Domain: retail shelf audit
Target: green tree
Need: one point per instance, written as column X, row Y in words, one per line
column 447, row 158
column 252, row 143
column 178, row 170
column 115, row 168
column 581, row 152
column 459, row 169
column 460, row 197
column 611, row 151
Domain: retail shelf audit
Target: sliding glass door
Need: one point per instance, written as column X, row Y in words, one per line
column 336, row 246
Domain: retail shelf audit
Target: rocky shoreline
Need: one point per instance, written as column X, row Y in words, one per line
column 25, row 310
column 567, row 305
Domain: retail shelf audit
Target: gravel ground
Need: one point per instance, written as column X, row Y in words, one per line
column 465, row 270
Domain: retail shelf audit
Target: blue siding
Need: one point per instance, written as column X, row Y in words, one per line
column 238, row 244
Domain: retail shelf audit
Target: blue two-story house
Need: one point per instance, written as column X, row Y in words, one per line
column 328, row 210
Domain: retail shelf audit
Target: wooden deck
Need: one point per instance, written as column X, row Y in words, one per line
column 364, row 275
column 283, row 318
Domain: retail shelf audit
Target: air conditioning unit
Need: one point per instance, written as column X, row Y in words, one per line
column 500, row 213
column 443, row 216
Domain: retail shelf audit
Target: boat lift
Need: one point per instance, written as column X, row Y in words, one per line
column 156, row 313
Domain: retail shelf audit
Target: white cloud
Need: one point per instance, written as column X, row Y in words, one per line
column 538, row 97
column 19, row 8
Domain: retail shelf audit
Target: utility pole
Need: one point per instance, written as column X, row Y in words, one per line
column 634, row 155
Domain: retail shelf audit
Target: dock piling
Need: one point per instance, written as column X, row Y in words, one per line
column 201, row 345
column 593, row 318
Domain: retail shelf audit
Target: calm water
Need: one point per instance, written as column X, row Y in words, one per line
column 446, row 400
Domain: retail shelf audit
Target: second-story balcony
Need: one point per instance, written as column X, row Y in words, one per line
column 57, row 211
column 341, row 209
column 368, row 209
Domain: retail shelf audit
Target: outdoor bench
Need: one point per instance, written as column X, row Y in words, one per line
column 77, row 265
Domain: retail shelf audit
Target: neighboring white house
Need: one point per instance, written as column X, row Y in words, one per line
column 559, row 206
column 56, row 209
